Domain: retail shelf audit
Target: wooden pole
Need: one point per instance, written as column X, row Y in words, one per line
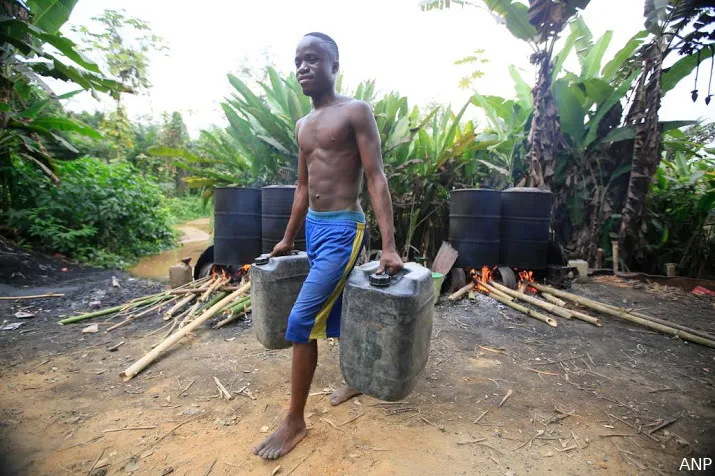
column 688, row 335
column 529, row 312
column 614, row 244
column 670, row 270
column 152, row 355
column 559, row 311
column 599, row 258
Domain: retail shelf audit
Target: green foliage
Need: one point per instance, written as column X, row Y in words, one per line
column 682, row 68
column 123, row 43
column 106, row 215
column 476, row 60
column 186, row 208
column 501, row 146
column 682, row 206
column 33, row 127
column 36, row 132
column 516, row 18
column 50, row 15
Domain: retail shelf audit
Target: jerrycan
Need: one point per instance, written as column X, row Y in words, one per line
column 180, row 274
column 275, row 284
column 385, row 329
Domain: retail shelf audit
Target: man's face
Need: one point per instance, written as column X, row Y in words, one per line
column 315, row 66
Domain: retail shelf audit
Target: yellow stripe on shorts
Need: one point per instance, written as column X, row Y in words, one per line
column 321, row 319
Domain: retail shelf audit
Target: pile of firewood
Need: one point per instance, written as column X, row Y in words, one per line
column 552, row 300
column 191, row 305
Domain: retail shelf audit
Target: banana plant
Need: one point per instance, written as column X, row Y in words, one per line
column 427, row 169
column 682, row 207
column 675, row 25
column 503, row 143
column 217, row 161
column 33, row 127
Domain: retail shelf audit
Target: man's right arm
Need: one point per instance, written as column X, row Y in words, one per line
column 300, row 205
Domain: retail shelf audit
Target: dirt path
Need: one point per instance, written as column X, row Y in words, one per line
column 195, row 238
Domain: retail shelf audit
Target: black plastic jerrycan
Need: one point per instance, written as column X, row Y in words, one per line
column 275, row 284
column 385, row 329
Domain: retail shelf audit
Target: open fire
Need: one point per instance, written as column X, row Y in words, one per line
column 484, row 277
column 230, row 274
column 525, row 278
column 480, row 278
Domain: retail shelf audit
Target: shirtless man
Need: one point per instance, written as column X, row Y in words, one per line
column 337, row 141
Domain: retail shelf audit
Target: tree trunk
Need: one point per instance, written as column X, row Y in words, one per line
column 646, row 156
column 545, row 134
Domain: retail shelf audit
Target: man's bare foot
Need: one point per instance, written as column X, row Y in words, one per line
column 343, row 394
column 282, row 440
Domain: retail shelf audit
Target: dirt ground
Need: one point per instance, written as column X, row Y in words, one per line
column 583, row 400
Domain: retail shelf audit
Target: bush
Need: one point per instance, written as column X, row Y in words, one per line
column 187, row 208
column 106, row 215
column 682, row 207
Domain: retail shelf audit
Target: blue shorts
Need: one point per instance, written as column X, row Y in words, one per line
column 333, row 243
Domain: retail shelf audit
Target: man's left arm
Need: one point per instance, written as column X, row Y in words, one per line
column 368, row 142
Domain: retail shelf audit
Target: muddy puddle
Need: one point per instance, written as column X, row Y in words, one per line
column 195, row 239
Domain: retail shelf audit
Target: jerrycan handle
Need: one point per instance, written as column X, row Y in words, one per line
column 379, row 280
column 265, row 258
column 261, row 260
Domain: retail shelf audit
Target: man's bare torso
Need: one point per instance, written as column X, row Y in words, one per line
column 327, row 141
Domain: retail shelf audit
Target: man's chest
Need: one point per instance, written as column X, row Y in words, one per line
column 327, row 131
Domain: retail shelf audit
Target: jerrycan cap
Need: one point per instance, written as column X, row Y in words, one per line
column 380, row 280
column 261, row 260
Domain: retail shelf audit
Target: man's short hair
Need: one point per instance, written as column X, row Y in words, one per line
column 332, row 46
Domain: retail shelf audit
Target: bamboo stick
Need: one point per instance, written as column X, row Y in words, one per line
column 37, row 296
column 553, row 299
column 200, row 291
column 529, row 312
column 232, row 317
column 179, row 305
column 90, row 315
column 134, row 317
column 190, row 284
column 142, row 363
column 496, row 291
column 461, row 293
column 519, row 296
column 605, row 309
column 237, row 308
column 194, row 283
column 584, row 317
column 582, row 300
column 674, row 325
column 185, row 291
column 219, row 281
column 552, row 308
column 134, row 304
column 194, row 309
column 239, row 304
column 200, row 307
